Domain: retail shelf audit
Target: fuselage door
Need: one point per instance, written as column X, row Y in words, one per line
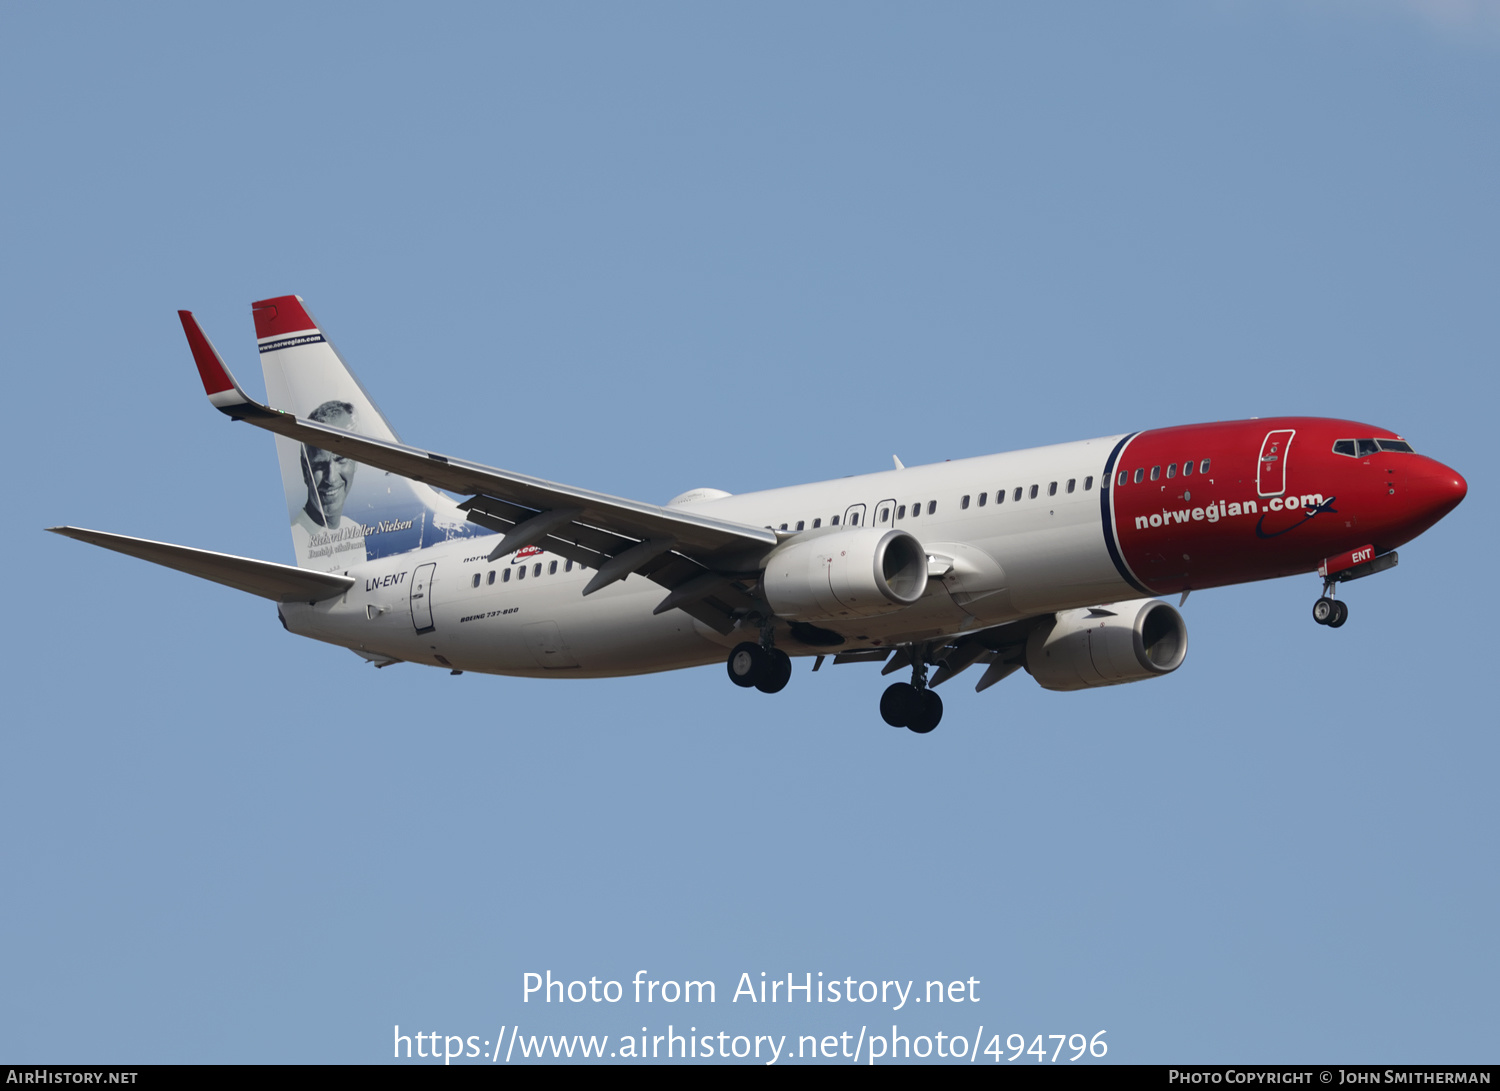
column 1270, row 473
column 855, row 516
column 421, row 597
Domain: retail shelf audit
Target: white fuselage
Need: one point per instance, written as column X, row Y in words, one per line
column 988, row 564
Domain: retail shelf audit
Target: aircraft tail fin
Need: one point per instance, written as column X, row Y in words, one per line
column 340, row 512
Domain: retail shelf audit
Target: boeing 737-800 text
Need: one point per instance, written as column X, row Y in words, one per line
column 1044, row 559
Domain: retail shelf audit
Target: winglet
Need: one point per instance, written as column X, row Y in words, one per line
column 223, row 392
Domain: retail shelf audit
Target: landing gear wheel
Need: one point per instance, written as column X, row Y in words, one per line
column 1340, row 615
column 748, row 664
column 898, row 704
column 929, row 712
column 778, row 672
column 1324, row 610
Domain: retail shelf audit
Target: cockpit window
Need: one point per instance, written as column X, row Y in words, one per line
column 1360, row 448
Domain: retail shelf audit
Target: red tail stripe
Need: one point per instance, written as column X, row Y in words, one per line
column 282, row 315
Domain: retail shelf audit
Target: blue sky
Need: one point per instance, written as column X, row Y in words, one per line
column 647, row 248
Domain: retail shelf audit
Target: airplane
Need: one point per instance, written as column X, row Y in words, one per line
column 1047, row 559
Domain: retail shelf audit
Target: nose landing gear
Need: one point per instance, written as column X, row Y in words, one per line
column 1330, row 612
column 1354, row 565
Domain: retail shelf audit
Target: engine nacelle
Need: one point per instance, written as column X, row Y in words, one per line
column 858, row 572
column 1107, row 645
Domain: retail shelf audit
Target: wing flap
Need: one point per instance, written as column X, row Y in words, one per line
column 277, row 582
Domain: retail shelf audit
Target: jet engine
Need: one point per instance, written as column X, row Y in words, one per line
column 858, row 572
column 1107, row 645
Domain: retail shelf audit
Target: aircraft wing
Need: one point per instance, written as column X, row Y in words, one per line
column 694, row 556
column 278, row 582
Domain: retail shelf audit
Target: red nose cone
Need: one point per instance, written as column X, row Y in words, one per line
column 1458, row 487
column 1440, row 490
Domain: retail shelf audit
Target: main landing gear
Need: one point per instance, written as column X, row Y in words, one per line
column 911, row 704
column 765, row 669
column 1330, row 612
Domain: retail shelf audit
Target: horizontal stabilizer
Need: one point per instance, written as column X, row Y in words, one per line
column 278, row 582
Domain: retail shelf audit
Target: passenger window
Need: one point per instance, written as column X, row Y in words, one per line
column 552, row 569
column 1140, row 474
column 1017, row 495
column 817, row 523
column 801, row 523
column 1000, row 497
column 885, row 514
column 1034, row 491
column 783, row 526
column 476, row 579
column 984, row 496
column 1088, row 483
column 505, row 576
column 521, row 573
column 916, row 509
column 1072, row 483
column 491, row 579
column 1124, row 477
column 1171, row 471
column 901, row 512
column 1203, row 469
column 834, row 521
column 568, row 567
column 931, row 507
column 964, row 503
column 1187, row 469
column 1155, row 472
column 1052, row 489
